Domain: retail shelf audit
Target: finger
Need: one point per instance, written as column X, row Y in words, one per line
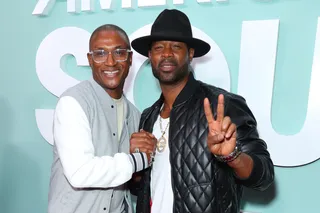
column 134, row 148
column 147, row 133
column 141, row 142
column 142, row 147
column 148, row 140
column 220, row 108
column 208, row 112
column 215, row 149
column 145, row 150
column 226, row 122
column 135, row 134
column 150, row 135
column 234, row 135
column 140, row 134
column 231, row 131
column 215, row 139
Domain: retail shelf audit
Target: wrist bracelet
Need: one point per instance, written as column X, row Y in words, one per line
column 232, row 156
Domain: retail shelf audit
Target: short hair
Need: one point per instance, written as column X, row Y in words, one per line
column 111, row 27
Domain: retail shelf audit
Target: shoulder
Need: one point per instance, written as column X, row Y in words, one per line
column 235, row 105
column 212, row 92
column 148, row 110
column 77, row 89
column 77, row 97
column 82, row 92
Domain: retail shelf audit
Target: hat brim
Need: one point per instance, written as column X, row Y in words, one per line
column 142, row 44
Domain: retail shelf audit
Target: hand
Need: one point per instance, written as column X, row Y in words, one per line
column 222, row 135
column 144, row 141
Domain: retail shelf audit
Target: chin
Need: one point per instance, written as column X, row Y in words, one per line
column 112, row 87
column 167, row 81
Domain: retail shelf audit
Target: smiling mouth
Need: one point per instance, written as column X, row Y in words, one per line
column 111, row 73
column 167, row 67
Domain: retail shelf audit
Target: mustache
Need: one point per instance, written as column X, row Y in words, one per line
column 168, row 61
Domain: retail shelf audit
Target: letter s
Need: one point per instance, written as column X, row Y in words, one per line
column 60, row 42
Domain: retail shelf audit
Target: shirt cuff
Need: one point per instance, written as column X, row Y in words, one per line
column 139, row 161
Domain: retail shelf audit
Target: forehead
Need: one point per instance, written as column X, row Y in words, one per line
column 168, row 42
column 108, row 39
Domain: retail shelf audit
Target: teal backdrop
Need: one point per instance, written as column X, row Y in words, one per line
column 25, row 156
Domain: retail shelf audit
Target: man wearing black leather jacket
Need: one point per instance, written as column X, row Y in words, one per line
column 208, row 145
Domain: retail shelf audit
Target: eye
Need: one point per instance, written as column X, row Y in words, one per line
column 119, row 52
column 158, row 47
column 176, row 47
column 99, row 53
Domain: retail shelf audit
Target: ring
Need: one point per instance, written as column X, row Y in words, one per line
column 136, row 150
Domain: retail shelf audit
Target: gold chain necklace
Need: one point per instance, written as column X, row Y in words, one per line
column 162, row 141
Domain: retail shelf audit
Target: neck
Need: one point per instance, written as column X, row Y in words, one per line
column 115, row 94
column 170, row 93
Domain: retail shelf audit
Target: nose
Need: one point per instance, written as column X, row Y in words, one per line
column 110, row 61
column 167, row 52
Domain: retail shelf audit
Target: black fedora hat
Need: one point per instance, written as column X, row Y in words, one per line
column 171, row 25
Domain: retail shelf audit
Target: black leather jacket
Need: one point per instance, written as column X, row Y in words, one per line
column 200, row 183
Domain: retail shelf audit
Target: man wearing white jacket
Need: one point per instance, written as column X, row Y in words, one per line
column 93, row 122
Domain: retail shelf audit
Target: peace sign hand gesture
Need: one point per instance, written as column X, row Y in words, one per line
column 222, row 133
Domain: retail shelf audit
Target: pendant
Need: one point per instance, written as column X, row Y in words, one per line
column 161, row 144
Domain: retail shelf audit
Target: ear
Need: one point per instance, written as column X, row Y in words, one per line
column 89, row 57
column 149, row 54
column 191, row 54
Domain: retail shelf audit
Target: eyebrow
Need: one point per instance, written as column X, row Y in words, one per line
column 116, row 47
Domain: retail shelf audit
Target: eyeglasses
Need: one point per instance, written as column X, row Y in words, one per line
column 119, row 55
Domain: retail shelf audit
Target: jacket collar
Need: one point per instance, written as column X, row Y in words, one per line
column 106, row 100
column 188, row 90
column 185, row 94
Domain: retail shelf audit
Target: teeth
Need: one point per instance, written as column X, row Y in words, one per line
column 111, row 72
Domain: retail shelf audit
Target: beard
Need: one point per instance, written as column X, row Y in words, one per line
column 170, row 78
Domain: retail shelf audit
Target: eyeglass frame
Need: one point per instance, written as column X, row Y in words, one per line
column 108, row 53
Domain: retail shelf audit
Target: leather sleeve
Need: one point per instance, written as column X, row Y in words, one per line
column 262, row 175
